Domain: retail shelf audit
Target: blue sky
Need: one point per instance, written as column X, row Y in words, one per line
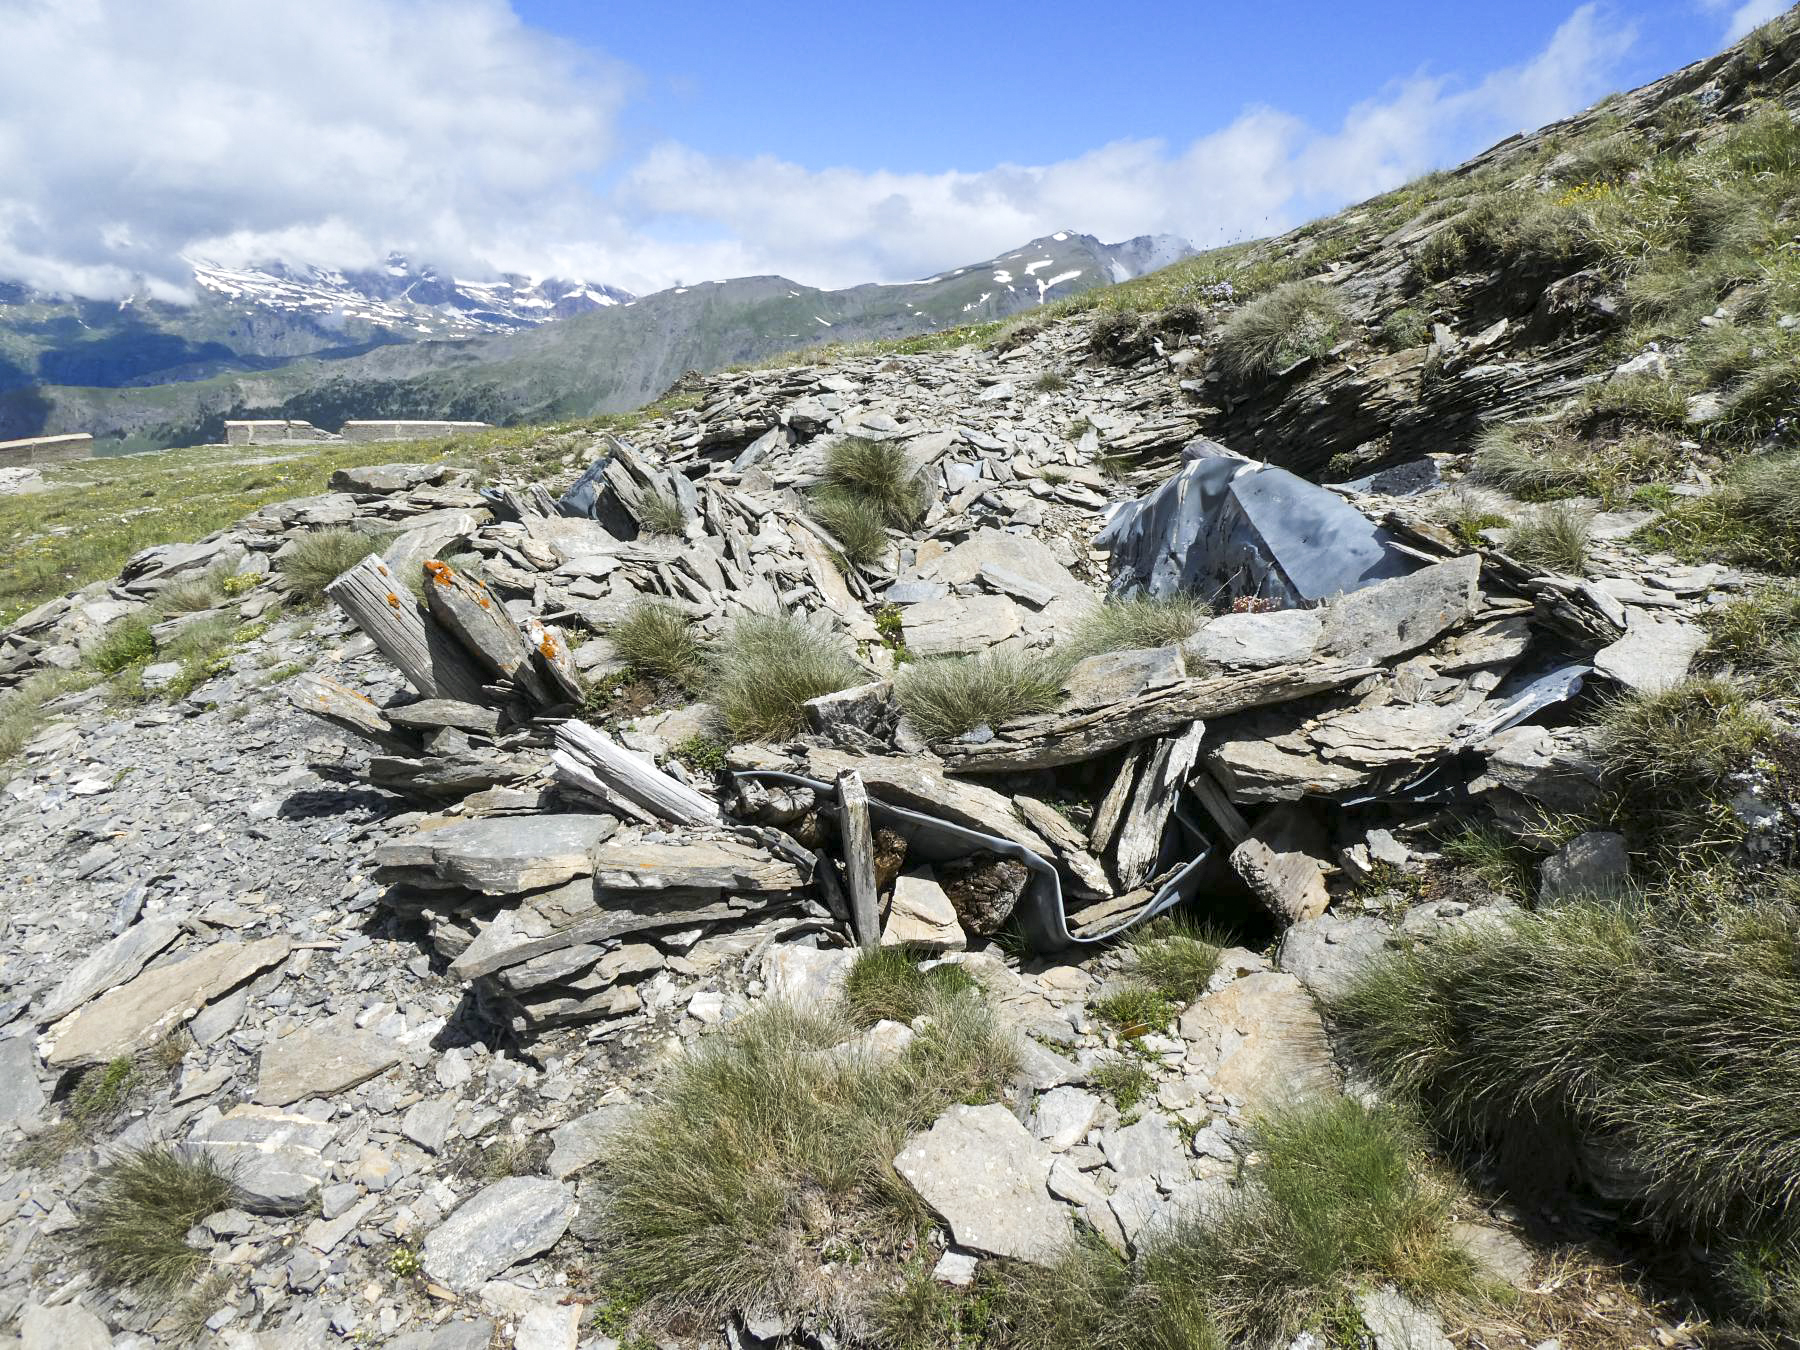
column 931, row 86
column 645, row 145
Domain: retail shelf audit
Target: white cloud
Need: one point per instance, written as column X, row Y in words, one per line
column 1265, row 171
column 1745, row 15
column 133, row 132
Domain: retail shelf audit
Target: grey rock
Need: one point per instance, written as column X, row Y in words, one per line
column 1260, row 1040
column 548, row 1326
column 1329, row 952
column 955, row 1268
column 112, row 964
column 275, row 1158
column 320, row 1064
column 1113, row 677
column 68, row 1326
column 21, row 1094
column 921, row 915
column 504, row 855
column 1402, row 614
column 1653, row 655
column 1397, row 1323
column 1498, row 1253
column 427, row 1123
column 1149, row 1147
column 501, row 1225
column 987, row 1177
column 136, row 1015
column 1063, row 1116
column 1134, row 1205
column 475, row 1334
column 581, row 1141
column 959, row 624
column 1594, row 863
column 1255, row 641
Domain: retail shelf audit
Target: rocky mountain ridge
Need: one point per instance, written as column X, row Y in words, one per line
column 612, row 357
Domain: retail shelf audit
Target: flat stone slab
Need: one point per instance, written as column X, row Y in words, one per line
column 1149, row 1147
column 1260, row 1039
column 1653, row 655
column 1255, row 641
column 580, row 1142
column 21, row 1094
column 1402, row 614
column 988, row 1178
column 275, row 1158
column 1397, row 1323
column 136, row 1015
column 320, row 1063
column 1063, row 1116
column 507, row 1222
column 921, row 915
column 504, row 855
column 69, row 1326
column 959, row 624
column 110, row 965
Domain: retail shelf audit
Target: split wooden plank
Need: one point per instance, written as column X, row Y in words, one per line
column 859, row 857
column 1051, row 739
column 1111, row 810
column 1166, row 769
column 433, row 662
column 553, row 661
column 593, row 760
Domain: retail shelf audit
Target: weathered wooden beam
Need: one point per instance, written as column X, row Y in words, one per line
column 858, row 841
column 553, row 661
column 1168, row 766
column 1051, row 739
column 433, row 662
column 591, row 759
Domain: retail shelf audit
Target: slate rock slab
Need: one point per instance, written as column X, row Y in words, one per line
column 984, row 1173
column 139, row 1013
column 1149, row 1147
column 311, row 1063
column 110, row 965
column 275, row 1159
column 507, row 1222
column 1402, row 614
column 579, row 1143
column 1654, row 653
column 1397, row 1323
column 67, row 1327
column 21, row 1094
column 1593, row 863
column 1255, row 641
column 504, row 855
column 1260, row 1039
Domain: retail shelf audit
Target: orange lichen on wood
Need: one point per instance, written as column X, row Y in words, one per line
column 393, row 600
column 440, row 572
column 547, row 645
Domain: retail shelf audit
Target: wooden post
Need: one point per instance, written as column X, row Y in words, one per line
column 383, row 607
column 859, row 857
column 465, row 607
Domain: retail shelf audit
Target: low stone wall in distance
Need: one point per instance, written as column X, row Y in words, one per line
column 273, row 431
column 408, row 431
column 46, row 449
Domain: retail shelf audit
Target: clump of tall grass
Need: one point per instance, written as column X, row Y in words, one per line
column 949, row 695
column 1292, row 322
column 658, row 640
column 1555, row 536
column 1135, row 622
column 134, row 1223
column 1663, row 1050
column 318, row 558
column 756, row 1143
column 766, row 667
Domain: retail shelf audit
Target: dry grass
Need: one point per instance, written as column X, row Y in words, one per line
column 949, row 695
column 766, row 667
column 136, row 1215
column 1290, row 323
column 658, row 640
column 1555, row 537
column 1133, row 624
column 321, row 557
column 755, row 1151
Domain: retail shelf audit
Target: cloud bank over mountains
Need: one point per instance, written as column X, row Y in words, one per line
column 330, row 132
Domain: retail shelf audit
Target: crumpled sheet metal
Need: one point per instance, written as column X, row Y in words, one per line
column 1225, row 526
column 1041, row 913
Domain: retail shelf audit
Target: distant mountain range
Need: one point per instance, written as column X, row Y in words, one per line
column 405, row 341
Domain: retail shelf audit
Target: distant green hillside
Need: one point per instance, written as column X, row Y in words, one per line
column 608, row 360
